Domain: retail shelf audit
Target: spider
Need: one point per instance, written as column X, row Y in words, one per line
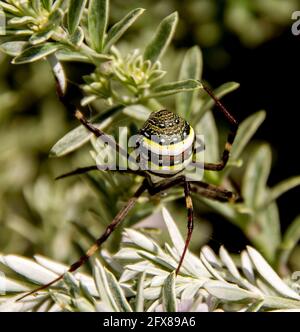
column 164, row 125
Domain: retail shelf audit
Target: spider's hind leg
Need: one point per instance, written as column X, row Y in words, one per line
column 190, row 222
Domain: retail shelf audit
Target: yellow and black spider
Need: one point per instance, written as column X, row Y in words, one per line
column 167, row 142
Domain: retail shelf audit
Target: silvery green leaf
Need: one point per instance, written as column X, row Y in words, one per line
column 117, row 293
column 290, row 239
column 13, row 48
column 228, row 262
column 111, row 262
column 191, row 68
column 269, row 237
column 138, row 112
column 256, row 175
column 97, row 22
column 157, row 281
column 29, row 269
column 80, row 135
column 128, row 275
column 103, row 288
column 190, row 263
column 191, row 290
column 162, row 38
column 168, row 89
column 75, row 11
column 127, row 254
column 211, row 257
column 265, row 270
column 212, row 271
column 142, row 241
column 51, row 265
column 175, row 235
column 12, row 286
column 58, row 72
column 245, row 132
column 207, row 127
column 35, row 53
column 228, row 292
column 281, row 303
column 163, row 262
column 141, row 267
column 152, row 293
column 68, row 55
column 282, row 187
column 168, row 294
column 11, row 305
column 77, row 37
column 247, row 267
column 116, row 31
column 208, row 103
column 139, row 305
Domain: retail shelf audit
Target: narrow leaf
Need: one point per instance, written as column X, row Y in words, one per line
column 191, row 68
column 283, row 187
column 103, row 286
column 290, row 240
column 162, row 38
column 116, row 31
column 168, row 294
column 79, row 136
column 228, row 292
column 35, row 53
column 245, row 132
column 256, row 175
column 228, row 262
column 174, row 87
column 97, row 22
column 265, row 270
column 75, row 11
column 29, row 269
column 139, row 306
column 117, row 293
column 13, row 48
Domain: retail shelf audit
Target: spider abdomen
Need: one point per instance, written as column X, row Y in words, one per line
column 166, row 143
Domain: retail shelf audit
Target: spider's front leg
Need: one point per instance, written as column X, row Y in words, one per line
column 231, row 136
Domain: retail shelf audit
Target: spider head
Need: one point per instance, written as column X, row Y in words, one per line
column 166, row 142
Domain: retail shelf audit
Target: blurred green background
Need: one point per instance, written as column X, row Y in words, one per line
column 247, row 41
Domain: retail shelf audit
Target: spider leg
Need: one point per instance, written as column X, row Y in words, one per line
column 231, row 136
column 77, row 171
column 105, row 235
column 83, row 170
column 190, row 222
column 99, row 133
column 213, row 192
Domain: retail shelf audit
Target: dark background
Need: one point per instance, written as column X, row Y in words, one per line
column 268, row 77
